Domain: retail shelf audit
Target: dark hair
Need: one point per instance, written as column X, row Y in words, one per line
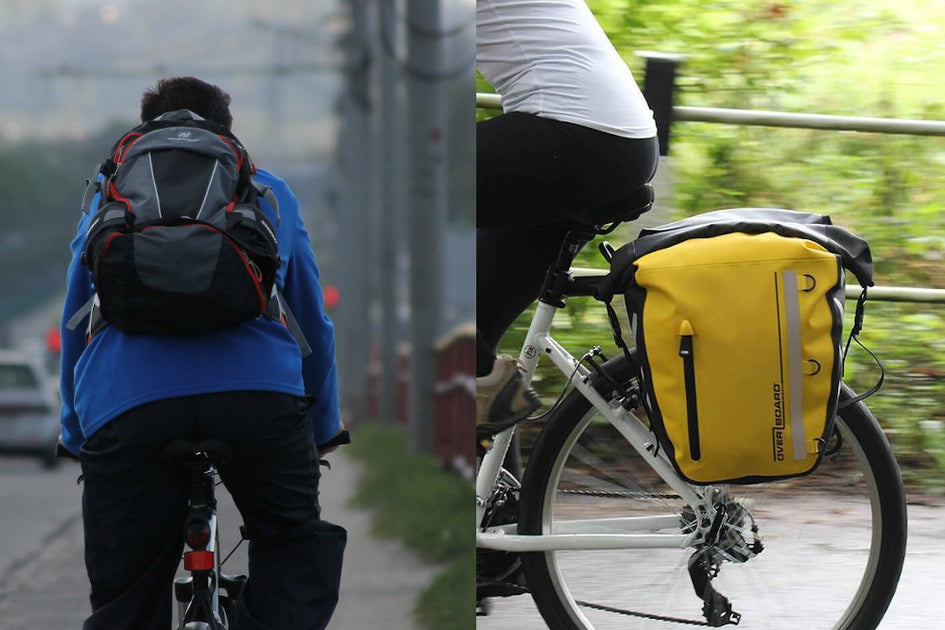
column 198, row 96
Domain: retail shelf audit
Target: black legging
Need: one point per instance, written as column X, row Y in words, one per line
column 532, row 175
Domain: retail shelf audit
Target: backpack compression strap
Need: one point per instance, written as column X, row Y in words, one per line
column 277, row 310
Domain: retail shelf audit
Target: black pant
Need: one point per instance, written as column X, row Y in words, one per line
column 133, row 506
column 533, row 175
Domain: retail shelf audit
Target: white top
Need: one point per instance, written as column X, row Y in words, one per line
column 552, row 58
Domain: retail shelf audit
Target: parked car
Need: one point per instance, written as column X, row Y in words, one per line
column 29, row 408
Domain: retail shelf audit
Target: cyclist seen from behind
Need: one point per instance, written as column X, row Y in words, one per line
column 127, row 395
column 575, row 140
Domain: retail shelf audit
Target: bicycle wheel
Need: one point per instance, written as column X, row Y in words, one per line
column 834, row 541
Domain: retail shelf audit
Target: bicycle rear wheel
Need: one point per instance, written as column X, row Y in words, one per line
column 834, row 540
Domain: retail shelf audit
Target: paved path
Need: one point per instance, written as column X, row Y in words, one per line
column 42, row 576
column 381, row 579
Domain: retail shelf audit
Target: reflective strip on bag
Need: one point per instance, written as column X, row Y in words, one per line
column 792, row 317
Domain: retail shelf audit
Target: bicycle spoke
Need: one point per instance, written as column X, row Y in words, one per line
column 843, row 525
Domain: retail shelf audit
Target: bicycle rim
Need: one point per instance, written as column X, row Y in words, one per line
column 834, row 541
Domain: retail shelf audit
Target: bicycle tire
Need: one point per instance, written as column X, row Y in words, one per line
column 575, row 455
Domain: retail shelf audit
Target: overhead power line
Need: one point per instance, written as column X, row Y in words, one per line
column 117, row 72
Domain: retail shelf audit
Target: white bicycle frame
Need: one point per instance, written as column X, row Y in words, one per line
column 578, row 534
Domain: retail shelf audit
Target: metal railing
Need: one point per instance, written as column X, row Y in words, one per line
column 808, row 121
column 762, row 118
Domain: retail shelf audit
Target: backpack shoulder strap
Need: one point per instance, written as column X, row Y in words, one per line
column 91, row 310
column 266, row 193
column 278, row 310
column 80, row 314
column 97, row 182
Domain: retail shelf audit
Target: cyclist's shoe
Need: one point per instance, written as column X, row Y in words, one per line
column 502, row 399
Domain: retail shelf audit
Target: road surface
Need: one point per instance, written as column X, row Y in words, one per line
column 42, row 576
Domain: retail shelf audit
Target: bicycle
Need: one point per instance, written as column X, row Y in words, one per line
column 206, row 600
column 608, row 534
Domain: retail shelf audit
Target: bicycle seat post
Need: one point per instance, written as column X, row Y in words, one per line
column 558, row 279
column 197, row 594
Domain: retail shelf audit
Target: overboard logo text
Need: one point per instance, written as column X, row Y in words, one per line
column 777, row 432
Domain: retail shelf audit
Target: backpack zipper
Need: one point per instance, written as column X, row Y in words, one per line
column 689, row 375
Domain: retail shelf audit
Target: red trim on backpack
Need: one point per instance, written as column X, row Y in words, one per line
column 239, row 154
column 117, row 196
column 108, row 242
column 121, row 149
column 249, row 269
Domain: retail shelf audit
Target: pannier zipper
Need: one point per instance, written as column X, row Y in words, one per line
column 689, row 374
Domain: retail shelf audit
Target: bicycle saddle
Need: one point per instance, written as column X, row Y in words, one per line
column 623, row 210
column 216, row 450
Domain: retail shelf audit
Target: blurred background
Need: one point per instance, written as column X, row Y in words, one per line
column 366, row 109
column 864, row 58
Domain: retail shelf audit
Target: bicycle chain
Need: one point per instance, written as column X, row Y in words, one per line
column 618, row 611
column 622, row 495
column 651, row 616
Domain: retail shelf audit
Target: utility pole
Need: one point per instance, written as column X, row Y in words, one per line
column 389, row 45
column 426, row 210
column 440, row 49
column 354, row 199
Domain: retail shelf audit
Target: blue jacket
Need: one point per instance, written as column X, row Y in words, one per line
column 117, row 371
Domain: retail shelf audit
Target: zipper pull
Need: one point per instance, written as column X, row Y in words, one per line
column 685, row 339
column 689, row 377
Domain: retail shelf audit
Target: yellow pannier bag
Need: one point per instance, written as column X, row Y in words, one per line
column 738, row 319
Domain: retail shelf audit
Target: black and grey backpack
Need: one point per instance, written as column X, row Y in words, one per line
column 179, row 245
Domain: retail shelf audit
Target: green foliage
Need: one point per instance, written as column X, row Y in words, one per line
column 483, row 86
column 42, row 186
column 446, row 604
column 910, row 341
column 429, row 510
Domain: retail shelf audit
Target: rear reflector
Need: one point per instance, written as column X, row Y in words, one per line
column 198, row 560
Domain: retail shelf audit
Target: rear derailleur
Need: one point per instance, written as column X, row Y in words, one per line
column 725, row 541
